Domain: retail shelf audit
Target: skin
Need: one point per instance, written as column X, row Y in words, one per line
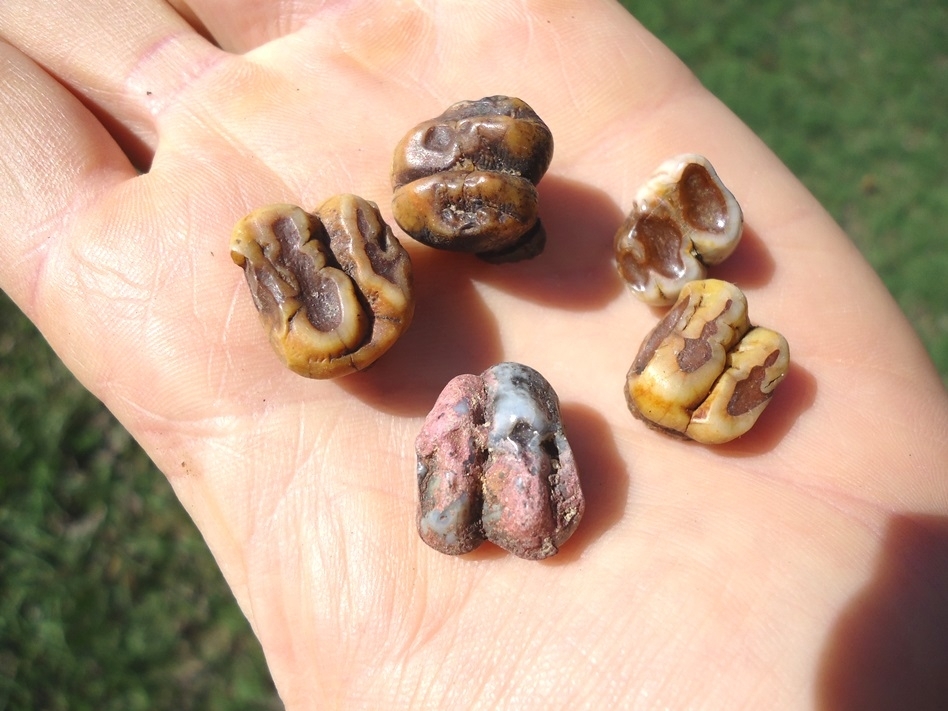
column 746, row 576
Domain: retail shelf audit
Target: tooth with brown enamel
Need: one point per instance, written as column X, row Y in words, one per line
column 682, row 220
column 466, row 180
column 704, row 372
column 333, row 288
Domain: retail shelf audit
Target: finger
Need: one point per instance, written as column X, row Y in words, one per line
column 56, row 159
column 129, row 62
column 241, row 25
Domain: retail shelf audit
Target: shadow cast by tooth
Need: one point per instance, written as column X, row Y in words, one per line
column 452, row 332
column 576, row 270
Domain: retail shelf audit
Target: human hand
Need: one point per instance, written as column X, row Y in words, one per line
column 699, row 575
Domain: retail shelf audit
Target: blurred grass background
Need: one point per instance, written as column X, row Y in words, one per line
column 108, row 596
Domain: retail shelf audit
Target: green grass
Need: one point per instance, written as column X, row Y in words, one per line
column 108, row 596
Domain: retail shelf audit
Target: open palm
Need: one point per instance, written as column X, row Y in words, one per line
column 700, row 576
